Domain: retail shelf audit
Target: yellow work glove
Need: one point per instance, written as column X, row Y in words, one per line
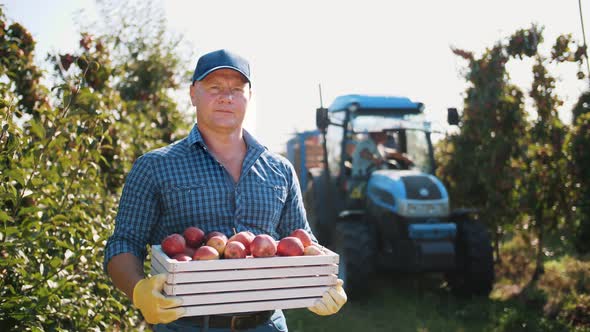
column 155, row 307
column 333, row 299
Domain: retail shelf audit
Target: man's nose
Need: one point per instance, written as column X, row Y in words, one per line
column 226, row 94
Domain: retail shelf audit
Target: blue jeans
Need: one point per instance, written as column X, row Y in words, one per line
column 276, row 323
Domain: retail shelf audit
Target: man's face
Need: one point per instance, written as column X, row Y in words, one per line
column 379, row 137
column 221, row 99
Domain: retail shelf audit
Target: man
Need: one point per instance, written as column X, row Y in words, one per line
column 219, row 178
column 374, row 152
column 367, row 155
column 392, row 151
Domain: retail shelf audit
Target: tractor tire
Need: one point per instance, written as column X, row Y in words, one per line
column 354, row 242
column 474, row 274
column 316, row 207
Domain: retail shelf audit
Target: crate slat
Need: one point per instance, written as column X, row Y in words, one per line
column 242, row 274
column 157, row 268
column 226, row 286
column 172, row 265
column 257, row 295
column 212, row 309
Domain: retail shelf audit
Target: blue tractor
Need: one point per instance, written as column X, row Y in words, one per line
column 397, row 216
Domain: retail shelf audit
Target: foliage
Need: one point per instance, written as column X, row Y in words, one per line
column 525, row 176
column 566, row 279
column 545, row 166
column 62, row 170
column 578, row 160
column 582, row 106
column 516, row 170
column 563, row 50
column 16, row 63
column 489, row 143
column 561, row 292
column 577, row 146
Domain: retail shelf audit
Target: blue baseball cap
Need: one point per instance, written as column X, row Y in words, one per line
column 220, row 59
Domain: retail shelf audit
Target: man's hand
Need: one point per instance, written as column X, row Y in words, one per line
column 333, row 299
column 155, row 307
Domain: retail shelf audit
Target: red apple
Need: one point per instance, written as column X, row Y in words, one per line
column 189, row 251
column 194, row 236
column 182, row 257
column 290, row 246
column 212, row 234
column 234, row 249
column 263, row 245
column 173, row 244
column 205, row 253
column 245, row 238
column 302, row 235
column 312, row 250
column 218, row 242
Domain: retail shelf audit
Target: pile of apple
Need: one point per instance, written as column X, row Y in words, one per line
column 194, row 244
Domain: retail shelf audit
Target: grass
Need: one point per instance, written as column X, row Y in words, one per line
column 403, row 303
column 421, row 303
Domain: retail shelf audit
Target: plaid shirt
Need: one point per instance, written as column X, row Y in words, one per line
column 182, row 185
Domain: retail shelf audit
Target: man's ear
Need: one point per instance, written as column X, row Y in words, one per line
column 193, row 94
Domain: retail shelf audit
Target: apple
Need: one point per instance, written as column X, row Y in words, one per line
column 290, row 246
column 263, row 245
column 205, row 253
column 302, row 235
column 212, row 234
column 218, row 242
column 234, row 249
column 312, row 250
column 189, row 251
column 194, row 236
column 182, row 257
column 173, row 244
column 245, row 238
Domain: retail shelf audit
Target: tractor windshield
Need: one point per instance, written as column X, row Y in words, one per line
column 408, row 134
column 363, row 123
column 418, row 151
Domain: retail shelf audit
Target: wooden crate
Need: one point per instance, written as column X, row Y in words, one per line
column 248, row 284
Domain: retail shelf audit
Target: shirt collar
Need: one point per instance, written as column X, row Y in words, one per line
column 195, row 137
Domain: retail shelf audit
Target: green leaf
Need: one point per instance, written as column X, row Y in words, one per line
column 17, row 175
column 37, row 129
column 5, row 216
column 37, row 181
column 60, row 218
column 8, row 231
column 55, row 262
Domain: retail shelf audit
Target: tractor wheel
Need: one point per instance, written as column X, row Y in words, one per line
column 474, row 274
column 355, row 244
column 316, row 206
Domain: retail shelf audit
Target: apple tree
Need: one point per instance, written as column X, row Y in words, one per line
column 577, row 143
column 64, row 152
column 478, row 164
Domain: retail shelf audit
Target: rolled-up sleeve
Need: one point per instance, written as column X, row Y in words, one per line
column 138, row 212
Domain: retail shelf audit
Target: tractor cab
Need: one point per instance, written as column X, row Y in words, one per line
column 353, row 121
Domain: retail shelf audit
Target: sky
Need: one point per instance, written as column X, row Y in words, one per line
column 385, row 47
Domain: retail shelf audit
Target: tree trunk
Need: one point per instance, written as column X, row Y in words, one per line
column 539, row 268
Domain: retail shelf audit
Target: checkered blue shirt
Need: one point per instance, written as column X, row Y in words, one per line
column 182, row 185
